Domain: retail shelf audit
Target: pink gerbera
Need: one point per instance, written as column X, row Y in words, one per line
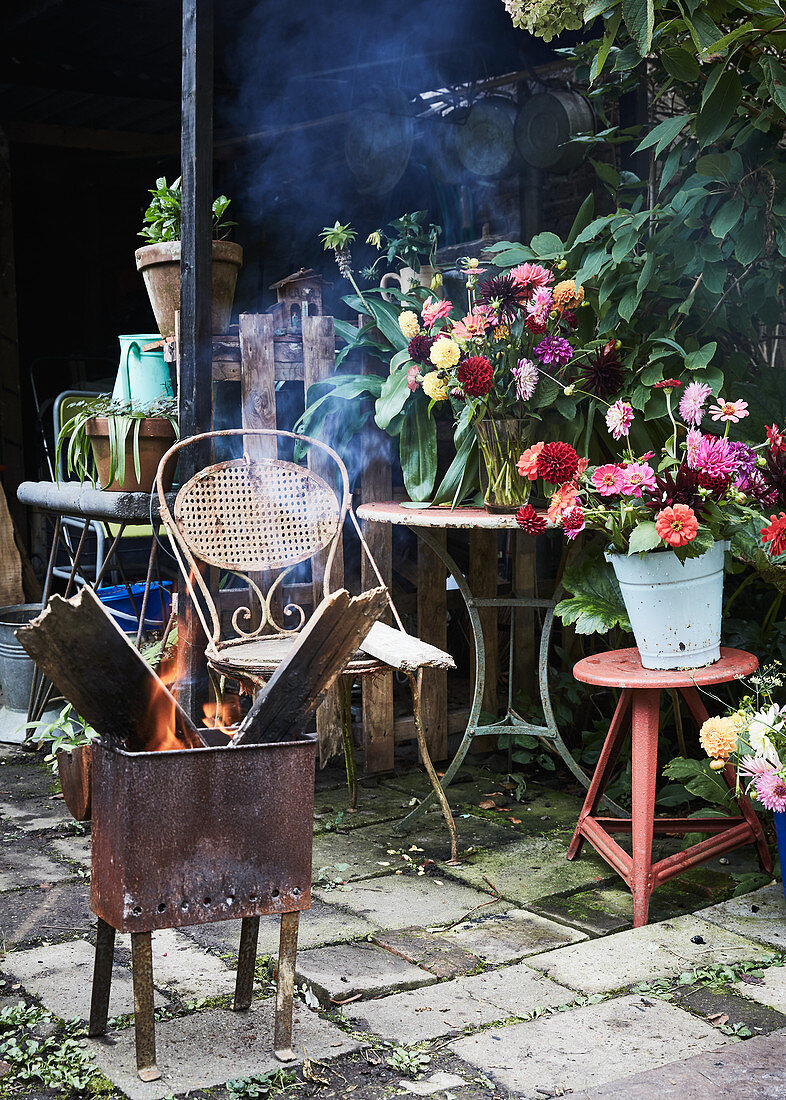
column 529, row 277
column 726, row 411
column 608, row 479
column 434, row 311
column 771, row 791
column 637, row 476
column 692, row 402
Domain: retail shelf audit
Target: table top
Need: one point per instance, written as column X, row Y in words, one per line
column 69, row 498
column 622, row 668
column 422, row 515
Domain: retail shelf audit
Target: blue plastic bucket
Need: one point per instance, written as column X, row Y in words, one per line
column 119, row 605
column 780, row 832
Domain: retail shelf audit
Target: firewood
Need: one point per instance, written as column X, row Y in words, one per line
column 79, row 646
column 403, row 651
column 322, row 650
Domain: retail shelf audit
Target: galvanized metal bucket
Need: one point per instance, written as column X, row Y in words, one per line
column 16, row 668
column 674, row 608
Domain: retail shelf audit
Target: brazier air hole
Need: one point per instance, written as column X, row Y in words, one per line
column 206, row 901
column 162, row 907
column 136, row 911
column 296, row 892
column 253, row 897
column 230, row 898
column 184, row 905
column 274, row 893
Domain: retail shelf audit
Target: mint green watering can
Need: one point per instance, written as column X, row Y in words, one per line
column 142, row 376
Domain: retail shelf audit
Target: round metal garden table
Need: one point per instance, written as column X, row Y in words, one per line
column 426, row 520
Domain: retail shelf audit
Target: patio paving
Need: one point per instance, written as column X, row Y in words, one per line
column 516, row 972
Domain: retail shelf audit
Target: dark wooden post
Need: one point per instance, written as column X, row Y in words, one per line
column 196, row 350
column 11, row 419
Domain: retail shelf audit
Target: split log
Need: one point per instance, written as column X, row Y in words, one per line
column 320, row 654
column 403, row 651
column 79, row 646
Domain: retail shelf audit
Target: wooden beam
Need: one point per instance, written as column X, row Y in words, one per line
column 321, row 652
column 79, row 646
column 195, row 395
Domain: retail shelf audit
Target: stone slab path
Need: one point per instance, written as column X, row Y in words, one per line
column 514, row 974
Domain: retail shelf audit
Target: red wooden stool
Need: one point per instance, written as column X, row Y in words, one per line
column 641, row 688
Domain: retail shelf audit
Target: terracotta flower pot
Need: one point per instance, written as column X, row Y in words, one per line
column 75, row 770
column 160, row 267
column 156, row 436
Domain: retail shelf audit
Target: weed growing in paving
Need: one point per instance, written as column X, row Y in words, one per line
column 409, row 1062
column 711, row 977
column 57, row 1061
column 260, row 1084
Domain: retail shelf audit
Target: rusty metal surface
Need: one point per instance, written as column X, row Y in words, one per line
column 198, row 835
column 285, row 987
column 622, row 668
column 72, row 499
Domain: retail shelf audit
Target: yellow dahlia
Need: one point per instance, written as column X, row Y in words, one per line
column 718, row 736
column 434, row 386
column 502, row 332
column 409, row 324
column 445, row 354
column 565, row 295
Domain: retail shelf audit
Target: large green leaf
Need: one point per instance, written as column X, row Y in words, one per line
column 700, row 780
column 418, row 450
column 726, row 217
column 643, row 537
column 581, row 221
column 679, row 63
column 595, row 605
column 639, row 16
column 461, row 478
column 664, row 133
column 547, row 246
column 716, row 114
column 393, row 395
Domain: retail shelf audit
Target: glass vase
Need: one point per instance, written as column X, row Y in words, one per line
column 501, row 443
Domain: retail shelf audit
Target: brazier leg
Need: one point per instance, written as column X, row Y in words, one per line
column 102, row 978
column 144, row 1022
column 246, row 959
column 285, row 987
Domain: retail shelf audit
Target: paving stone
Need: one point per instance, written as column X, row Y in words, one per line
column 338, row 973
column 397, row 900
column 61, row 976
column 208, row 1048
column 437, row 1082
column 35, row 814
column 510, row 936
column 476, row 836
column 771, row 991
column 357, row 855
column 24, row 775
column 27, row 915
column 375, row 804
column 760, row 915
column 710, row 1001
column 76, row 848
column 21, row 865
column 640, row 954
column 322, row 924
column 464, row 1002
column 181, row 967
column 587, row 1046
column 752, row 1070
column 430, row 950
column 534, row 867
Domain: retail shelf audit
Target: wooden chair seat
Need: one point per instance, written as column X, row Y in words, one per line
column 262, row 656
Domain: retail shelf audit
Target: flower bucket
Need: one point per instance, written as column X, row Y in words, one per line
column 780, row 833
column 501, row 443
column 674, row 608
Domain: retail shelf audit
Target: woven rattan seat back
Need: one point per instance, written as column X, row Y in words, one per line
column 251, row 516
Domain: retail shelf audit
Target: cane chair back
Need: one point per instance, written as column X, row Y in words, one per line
column 251, row 515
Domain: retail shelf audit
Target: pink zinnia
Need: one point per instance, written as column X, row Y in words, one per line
column 692, row 402
column 713, row 455
column 473, row 325
column 434, row 311
column 530, row 276
column 619, row 418
column 771, row 792
column 573, row 523
column 637, row 476
column 733, row 411
column 608, row 479
column 539, row 307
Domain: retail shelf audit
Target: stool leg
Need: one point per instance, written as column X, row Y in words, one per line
column 285, row 987
column 144, row 1021
column 646, row 707
column 102, row 978
column 246, row 958
column 603, row 769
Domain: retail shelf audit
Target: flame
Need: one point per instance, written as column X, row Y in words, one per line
column 223, row 714
column 163, row 718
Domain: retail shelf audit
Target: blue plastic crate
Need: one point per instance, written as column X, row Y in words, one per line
column 118, row 603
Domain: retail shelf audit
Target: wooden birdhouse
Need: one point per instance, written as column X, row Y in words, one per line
column 298, row 295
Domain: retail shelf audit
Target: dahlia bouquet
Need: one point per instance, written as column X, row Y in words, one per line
column 701, row 488
column 753, row 738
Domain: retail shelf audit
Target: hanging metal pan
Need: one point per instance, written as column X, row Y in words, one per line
column 378, row 141
column 484, row 141
column 543, row 125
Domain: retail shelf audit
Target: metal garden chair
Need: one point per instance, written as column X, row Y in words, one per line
column 251, row 515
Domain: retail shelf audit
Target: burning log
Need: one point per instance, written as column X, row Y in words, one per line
column 78, row 645
column 321, row 652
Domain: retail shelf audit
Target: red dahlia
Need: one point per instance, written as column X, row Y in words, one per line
column 530, row 521
column 668, row 384
column 775, row 534
column 776, row 438
column 419, row 347
column 718, row 483
column 534, row 326
column 557, row 463
column 475, row 375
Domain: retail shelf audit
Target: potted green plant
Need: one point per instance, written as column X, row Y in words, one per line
column 118, row 443
column 69, row 741
column 410, row 241
column 159, row 259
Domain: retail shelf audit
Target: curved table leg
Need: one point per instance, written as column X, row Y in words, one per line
column 550, row 731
